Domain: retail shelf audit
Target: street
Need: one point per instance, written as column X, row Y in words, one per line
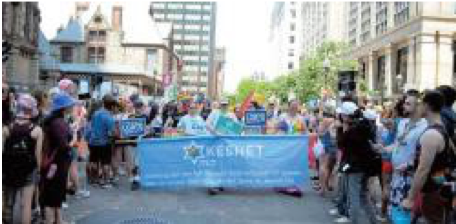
column 117, row 205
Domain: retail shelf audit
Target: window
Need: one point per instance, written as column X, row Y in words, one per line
column 292, row 39
column 175, row 6
column 192, row 17
column 290, row 65
column 96, row 55
column 193, row 6
column 291, row 53
column 293, row 13
column 292, row 27
column 97, row 19
column 66, row 54
column 95, row 35
column 151, row 59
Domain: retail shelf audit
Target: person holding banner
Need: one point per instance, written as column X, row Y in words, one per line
column 211, row 124
column 292, row 123
column 192, row 124
column 134, row 177
column 217, row 113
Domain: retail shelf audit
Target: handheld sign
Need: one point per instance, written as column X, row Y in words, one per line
column 132, row 127
column 227, row 126
column 255, row 118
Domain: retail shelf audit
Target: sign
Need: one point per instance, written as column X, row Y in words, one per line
column 255, row 118
column 228, row 126
column 132, row 127
column 228, row 161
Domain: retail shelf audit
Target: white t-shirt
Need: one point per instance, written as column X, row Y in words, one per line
column 193, row 125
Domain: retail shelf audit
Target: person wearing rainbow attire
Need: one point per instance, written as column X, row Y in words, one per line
column 292, row 123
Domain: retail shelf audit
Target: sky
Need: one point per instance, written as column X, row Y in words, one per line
column 242, row 28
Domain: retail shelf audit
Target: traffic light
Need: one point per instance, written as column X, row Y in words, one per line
column 6, row 48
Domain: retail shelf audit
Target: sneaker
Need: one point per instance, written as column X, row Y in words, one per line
column 342, row 220
column 106, row 186
column 212, row 191
column 381, row 218
column 334, row 212
column 83, row 194
column 64, row 205
column 135, row 185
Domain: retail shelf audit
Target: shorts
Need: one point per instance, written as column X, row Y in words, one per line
column 387, row 167
column 100, row 154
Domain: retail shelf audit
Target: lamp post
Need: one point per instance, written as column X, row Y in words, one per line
column 326, row 67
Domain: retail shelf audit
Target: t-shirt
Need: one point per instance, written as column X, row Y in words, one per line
column 193, row 125
column 292, row 125
column 102, row 128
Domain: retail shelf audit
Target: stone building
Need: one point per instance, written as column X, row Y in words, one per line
column 97, row 46
column 20, row 28
column 403, row 45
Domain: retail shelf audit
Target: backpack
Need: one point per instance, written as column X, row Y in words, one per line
column 19, row 159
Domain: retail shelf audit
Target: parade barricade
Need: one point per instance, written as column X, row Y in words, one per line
column 229, row 161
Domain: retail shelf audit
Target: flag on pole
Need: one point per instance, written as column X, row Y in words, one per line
column 246, row 104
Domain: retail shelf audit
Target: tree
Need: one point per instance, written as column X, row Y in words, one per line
column 308, row 81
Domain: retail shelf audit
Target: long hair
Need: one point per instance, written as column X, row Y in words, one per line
column 7, row 114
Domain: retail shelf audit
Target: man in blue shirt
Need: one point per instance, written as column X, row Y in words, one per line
column 100, row 139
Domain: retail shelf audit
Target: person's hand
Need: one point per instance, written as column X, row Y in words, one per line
column 403, row 167
column 407, row 204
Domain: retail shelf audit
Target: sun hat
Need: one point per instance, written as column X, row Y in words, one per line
column 370, row 114
column 61, row 101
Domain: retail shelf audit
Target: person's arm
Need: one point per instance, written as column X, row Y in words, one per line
column 210, row 124
column 431, row 142
column 39, row 136
column 5, row 135
column 181, row 126
column 322, row 128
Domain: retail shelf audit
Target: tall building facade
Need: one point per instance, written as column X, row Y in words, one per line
column 285, row 38
column 194, row 25
column 20, row 28
column 322, row 21
column 403, row 45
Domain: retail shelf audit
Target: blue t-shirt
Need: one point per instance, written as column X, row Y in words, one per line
column 102, row 128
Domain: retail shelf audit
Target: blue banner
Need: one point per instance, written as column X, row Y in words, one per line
column 228, row 161
column 132, row 127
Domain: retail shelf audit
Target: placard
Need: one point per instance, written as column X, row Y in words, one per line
column 255, row 118
column 228, row 126
column 132, row 127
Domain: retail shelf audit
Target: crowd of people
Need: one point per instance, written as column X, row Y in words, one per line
column 54, row 145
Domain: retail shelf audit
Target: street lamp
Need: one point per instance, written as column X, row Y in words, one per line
column 326, row 67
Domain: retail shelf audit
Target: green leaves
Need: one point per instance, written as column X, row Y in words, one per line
column 307, row 81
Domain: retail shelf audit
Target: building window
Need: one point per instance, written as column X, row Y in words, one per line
column 96, row 55
column 290, row 65
column 66, row 54
column 293, row 27
column 151, row 55
column 401, row 12
column 291, row 53
column 293, row 13
column 95, row 35
column 292, row 39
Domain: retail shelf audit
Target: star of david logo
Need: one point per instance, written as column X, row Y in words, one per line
column 193, row 152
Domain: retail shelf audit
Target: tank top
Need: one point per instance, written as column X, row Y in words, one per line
column 438, row 165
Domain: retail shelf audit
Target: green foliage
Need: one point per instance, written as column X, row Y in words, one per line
column 308, row 81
